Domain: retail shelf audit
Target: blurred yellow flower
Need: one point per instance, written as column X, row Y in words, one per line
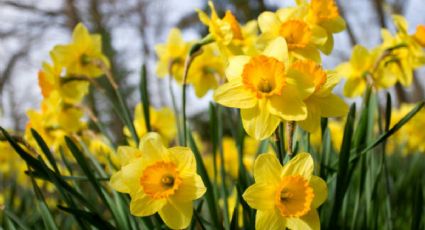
column 265, row 89
column 71, row 90
column 83, row 56
column 322, row 103
column 172, row 56
column 361, row 71
column 410, row 138
column 286, row 196
column 207, row 70
column 223, row 30
column 162, row 122
column 159, row 180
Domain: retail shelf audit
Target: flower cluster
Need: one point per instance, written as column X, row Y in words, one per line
column 390, row 62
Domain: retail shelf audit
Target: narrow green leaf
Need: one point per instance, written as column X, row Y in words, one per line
column 90, row 217
column 144, row 97
column 209, row 195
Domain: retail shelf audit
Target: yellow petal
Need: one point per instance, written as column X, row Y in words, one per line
column 329, row 45
column 400, row 23
column 267, row 169
column 354, row 87
column 144, row 205
column 269, row 220
column 302, row 164
column 235, row 68
column 260, row 196
column 268, row 21
column 358, row 57
column 126, row 154
column 184, row 158
column 258, row 122
column 277, row 49
column 127, row 179
column 310, row 221
column 153, row 149
column 301, row 83
column 320, row 191
column 81, row 36
column 176, row 215
column 333, row 106
column 312, row 122
column 335, row 25
column 319, row 35
column 308, row 52
column 289, row 106
column 234, row 94
column 191, row 188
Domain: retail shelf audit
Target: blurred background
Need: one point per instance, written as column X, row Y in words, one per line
column 131, row 28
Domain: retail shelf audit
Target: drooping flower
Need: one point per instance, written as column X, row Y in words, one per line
column 172, row 56
column 162, row 121
column 83, row 56
column 266, row 90
column 286, row 196
column 159, row 180
column 322, row 103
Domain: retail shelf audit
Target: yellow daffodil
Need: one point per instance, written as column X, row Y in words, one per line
column 162, row 122
column 70, row 90
column 361, row 70
column 206, row 70
column 303, row 39
column 159, row 180
column 225, row 31
column 266, row 90
column 54, row 120
column 324, row 13
column 286, row 196
column 322, row 103
column 403, row 60
column 172, row 56
column 83, row 56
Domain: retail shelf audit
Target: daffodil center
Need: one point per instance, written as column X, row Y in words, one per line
column 85, row 59
column 167, row 181
column 294, row 196
column 160, row 180
column 296, row 33
column 264, row 76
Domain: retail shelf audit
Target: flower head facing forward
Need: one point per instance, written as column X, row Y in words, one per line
column 159, row 180
column 266, row 89
column 83, row 56
column 286, row 196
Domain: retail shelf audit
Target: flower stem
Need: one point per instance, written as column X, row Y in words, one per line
column 290, row 129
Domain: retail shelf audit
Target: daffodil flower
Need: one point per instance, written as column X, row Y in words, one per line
column 159, row 180
column 322, row 103
column 83, row 56
column 286, row 196
column 172, row 56
column 162, row 122
column 266, row 90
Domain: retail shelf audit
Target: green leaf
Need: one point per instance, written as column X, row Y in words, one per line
column 342, row 168
column 144, row 97
column 90, row 217
column 209, row 195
